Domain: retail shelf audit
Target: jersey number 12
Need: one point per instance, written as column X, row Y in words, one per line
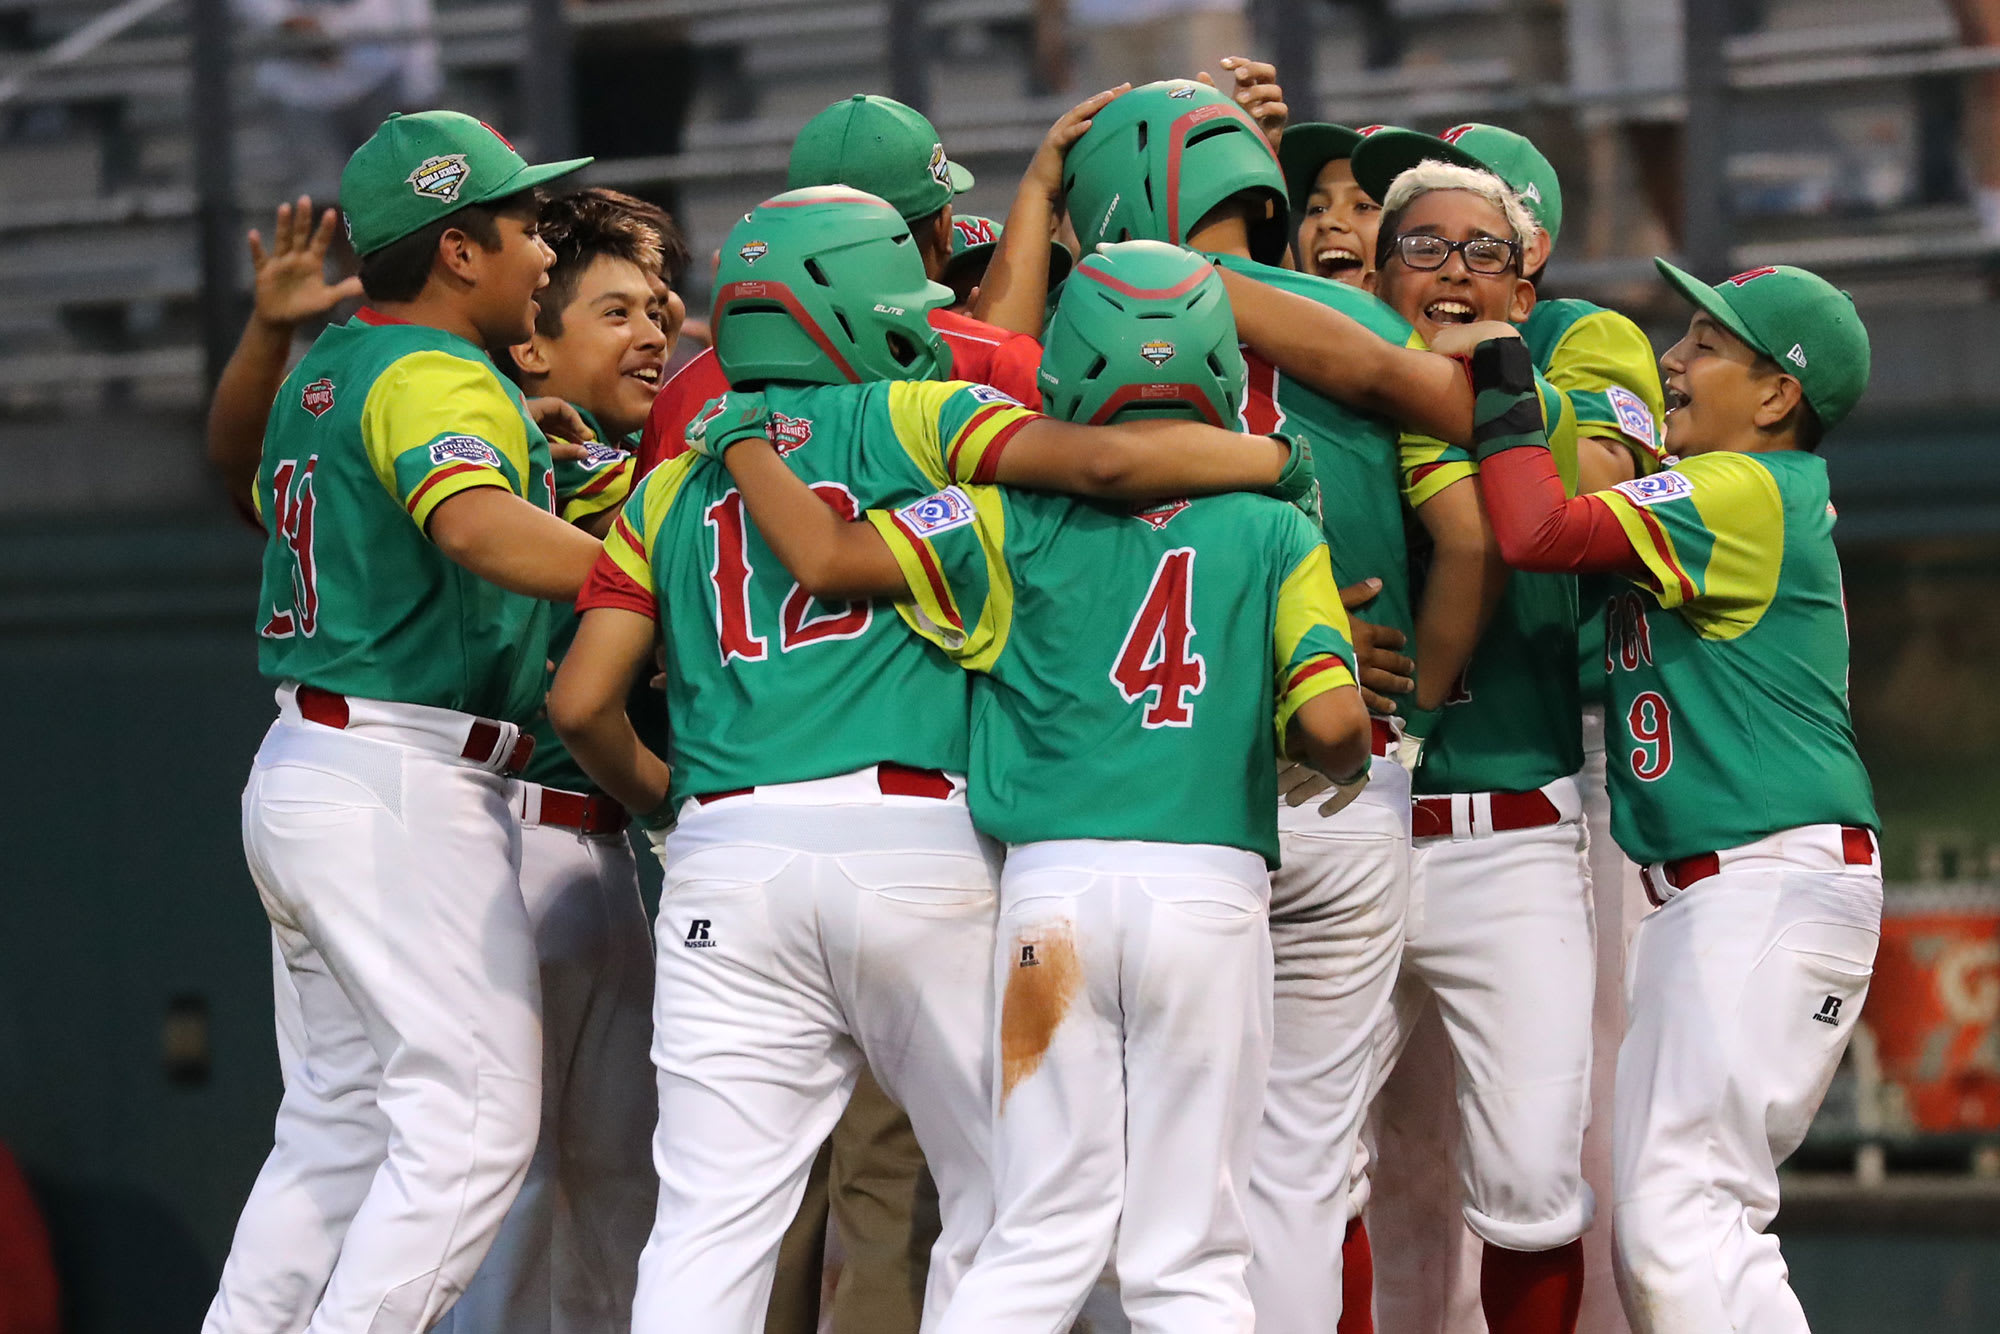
column 1155, row 663
column 731, row 576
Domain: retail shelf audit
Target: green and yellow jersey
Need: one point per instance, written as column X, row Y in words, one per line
column 1129, row 664
column 601, row 480
column 1605, row 363
column 1353, row 453
column 1727, row 715
column 786, row 688
column 1512, row 721
column 380, row 424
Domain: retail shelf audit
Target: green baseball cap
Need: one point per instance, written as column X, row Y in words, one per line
column 1306, row 149
column 879, row 145
column 973, row 240
column 1797, row 319
column 1385, row 156
column 416, row 169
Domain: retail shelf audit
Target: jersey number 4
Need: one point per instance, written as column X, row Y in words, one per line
column 730, row 574
column 1155, row 663
column 291, row 517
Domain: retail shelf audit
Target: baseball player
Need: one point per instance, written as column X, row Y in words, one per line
column 1336, row 218
column 412, row 541
column 599, row 339
column 1735, row 781
column 1113, row 645
column 1338, row 899
column 884, row 148
column 973, row 242
column 827, row 898
column 567, row 1257
column 1604, row 364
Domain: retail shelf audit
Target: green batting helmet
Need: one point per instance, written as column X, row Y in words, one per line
column 1143, row 329
column 824, row 286
column 1158, row 158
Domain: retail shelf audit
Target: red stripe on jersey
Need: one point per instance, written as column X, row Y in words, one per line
column 989, row 462
column 1306, row 673
column 1659, row 536
column 610, row 587
column 417, row 496
column 979, row 419
column 602, row 480
column 932, row 575
column 624, row 529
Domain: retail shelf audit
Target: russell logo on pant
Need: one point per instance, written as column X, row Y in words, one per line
column 697, row 936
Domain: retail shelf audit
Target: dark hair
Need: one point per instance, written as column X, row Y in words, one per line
column 925, row 228
column 674, row 251
column 399, row 270
column 588, row 225
column 1803, row 422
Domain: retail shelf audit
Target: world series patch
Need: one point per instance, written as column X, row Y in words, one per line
column 317, row 397
column 441, row 177
column 986, row 393
column 1657, row 489
column 464, row 449
column 1634, row 417
column 948, row 509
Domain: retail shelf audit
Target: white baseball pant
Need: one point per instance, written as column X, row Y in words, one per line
column 1134, row 1001
column 1337, row 915
column 796, row 942
column 1502, row 935
column 567, row 1257
column 408, row 1012
column 1742, row 993
column 1619, row 904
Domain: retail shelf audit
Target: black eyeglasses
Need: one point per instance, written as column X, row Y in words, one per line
column 1488, row 255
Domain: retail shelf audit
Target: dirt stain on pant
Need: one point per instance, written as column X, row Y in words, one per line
column 1042, row 983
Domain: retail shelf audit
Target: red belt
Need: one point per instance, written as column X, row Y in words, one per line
column 1381, row 736
column 893, row 780
column 584, row 812
column 1857, row 848
column 1430, row 817
column 482, row 739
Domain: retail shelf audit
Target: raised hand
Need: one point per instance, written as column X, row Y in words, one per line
column 1258, row 93
column 290, row 283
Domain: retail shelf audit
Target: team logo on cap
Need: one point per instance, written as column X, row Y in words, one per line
column 1366, row 130
column 318, row 397
column 788, row 433
column 1455, row 133
column 753, row 251
column 1750, row 275
column 1183, row 91
column 1157, row 350
column 940, row 166
column 441, row 177
column 974, row 231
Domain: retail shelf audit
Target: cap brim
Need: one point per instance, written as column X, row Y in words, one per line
column 961, row 179
column 527, row 178
column 1306, row 149
column 1711, row 303
column 933, row 295
column 1382, row 157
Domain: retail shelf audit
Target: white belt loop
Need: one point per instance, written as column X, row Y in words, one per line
column 530, row 804
column 1462, row 806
